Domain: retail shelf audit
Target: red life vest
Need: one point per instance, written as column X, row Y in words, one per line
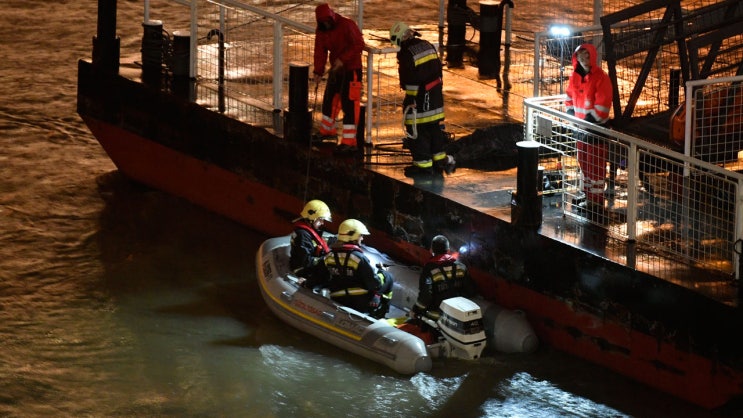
column 321, row 247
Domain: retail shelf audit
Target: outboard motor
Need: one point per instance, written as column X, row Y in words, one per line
column 462, row 326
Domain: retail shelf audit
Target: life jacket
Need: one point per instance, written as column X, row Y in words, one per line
column 343, row 264
column 447, row 277
column 321, row 247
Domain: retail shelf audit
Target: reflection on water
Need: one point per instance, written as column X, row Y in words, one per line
column 171, row 323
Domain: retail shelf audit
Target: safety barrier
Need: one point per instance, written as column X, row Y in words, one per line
column 654, row 196
column 713, row 130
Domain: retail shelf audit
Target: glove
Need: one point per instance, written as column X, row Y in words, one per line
column 589, row 118
column 571, row 112
column 375, row 300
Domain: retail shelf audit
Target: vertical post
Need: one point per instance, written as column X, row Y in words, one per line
column 673, row 88
column 298, row 118
column 456, row 17
column 192, row 68
column 538, row 37
column 221, row 59
column 488, row 58
column 507, row 47
column 182, row 82
column 152, row 52
column 105, row 44
column 633, row 177
column 369, row 96
column 441, row 28
column 278, row 64
column 738, row 262
column 526, row 202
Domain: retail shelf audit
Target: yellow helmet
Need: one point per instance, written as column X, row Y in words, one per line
column 351, row 230
column 397, row 32
column 316, row 209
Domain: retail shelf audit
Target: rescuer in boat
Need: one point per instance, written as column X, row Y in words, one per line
column 340, row 37
column 420, row 72
column 442, row 277
column 353, row 281
column 308, row 247
column 589, row 98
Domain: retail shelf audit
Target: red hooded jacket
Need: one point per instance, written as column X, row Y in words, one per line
column 344, row 41
column 589, row 93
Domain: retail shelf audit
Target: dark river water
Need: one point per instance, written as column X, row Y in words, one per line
column 117, row 300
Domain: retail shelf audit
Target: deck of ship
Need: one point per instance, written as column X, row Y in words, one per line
column 489, row 191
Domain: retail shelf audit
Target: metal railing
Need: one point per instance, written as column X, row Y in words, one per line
column 654, row 196
column 713, row 129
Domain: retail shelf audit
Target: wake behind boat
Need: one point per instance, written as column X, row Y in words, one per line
column 467, row 325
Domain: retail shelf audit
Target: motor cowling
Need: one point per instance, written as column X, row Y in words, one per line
column 462, row 326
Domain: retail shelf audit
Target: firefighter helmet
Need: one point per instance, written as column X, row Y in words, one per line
column 439, row 245
column 397, row 33
column 351, row 230
column 316, row 209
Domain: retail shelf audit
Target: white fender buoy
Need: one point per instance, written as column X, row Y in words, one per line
column 508, row 331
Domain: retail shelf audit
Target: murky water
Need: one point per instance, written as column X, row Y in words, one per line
column 117, row 300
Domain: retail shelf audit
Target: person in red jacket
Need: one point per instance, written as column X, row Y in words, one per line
column 339, row 39
column 589, row 98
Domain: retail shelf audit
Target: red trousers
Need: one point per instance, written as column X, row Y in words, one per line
column 592, row 161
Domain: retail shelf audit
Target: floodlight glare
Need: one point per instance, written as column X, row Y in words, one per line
column 560, row 31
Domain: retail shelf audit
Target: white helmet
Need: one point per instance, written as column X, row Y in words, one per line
column 397, row 33
column 351, row 230
column 316, row 209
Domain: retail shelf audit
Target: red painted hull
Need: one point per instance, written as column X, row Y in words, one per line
column 656, row 363
column 639, row 356
column 247, row 202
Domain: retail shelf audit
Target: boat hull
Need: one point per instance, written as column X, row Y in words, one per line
column 314, row 314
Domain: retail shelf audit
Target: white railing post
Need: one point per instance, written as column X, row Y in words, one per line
column 369, row 96
column 633, row 177
column 278, row 64
column 193, row 69
column 537, row 74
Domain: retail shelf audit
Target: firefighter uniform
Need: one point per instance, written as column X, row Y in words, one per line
column 420, row 72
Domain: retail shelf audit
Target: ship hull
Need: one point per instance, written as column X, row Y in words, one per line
column 662, row 335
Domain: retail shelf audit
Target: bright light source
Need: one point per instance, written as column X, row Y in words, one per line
column 560, row 31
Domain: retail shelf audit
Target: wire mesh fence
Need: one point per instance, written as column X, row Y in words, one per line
column 662, row 200
column 659, row 198
column 716, row 128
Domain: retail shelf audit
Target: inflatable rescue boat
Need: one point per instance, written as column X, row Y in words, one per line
column 465, row 328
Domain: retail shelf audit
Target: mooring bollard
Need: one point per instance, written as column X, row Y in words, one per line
column 298, row 118
column 526, row 201
column 491, row 23
column 152, row 51
column 456, row 20
column 180, row 65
